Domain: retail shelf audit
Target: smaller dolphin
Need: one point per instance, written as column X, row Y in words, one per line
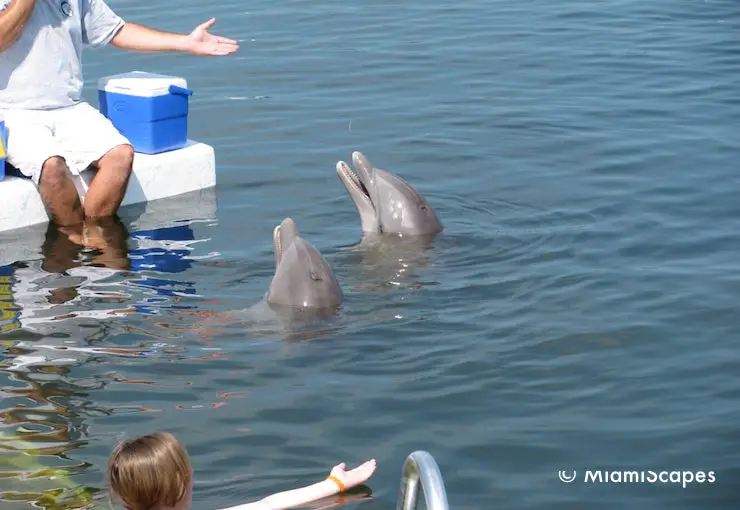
column 302, row 293
column 385, row 202
column 303, row 278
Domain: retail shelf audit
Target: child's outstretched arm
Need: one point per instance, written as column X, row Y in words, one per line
column 338, row 481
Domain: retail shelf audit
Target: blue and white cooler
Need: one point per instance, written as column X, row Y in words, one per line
column 149, row 109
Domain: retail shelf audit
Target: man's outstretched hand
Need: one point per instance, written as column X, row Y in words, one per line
column 200, row 42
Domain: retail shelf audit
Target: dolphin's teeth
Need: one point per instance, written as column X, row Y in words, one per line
column 354, row 180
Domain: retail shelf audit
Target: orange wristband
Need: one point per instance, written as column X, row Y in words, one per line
column 338, row 482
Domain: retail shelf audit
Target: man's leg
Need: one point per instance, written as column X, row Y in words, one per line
column 35, row 153
column 91, row 140
column 110, row 182
column 59, row 194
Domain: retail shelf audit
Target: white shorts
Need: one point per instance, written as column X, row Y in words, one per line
column 80, row 134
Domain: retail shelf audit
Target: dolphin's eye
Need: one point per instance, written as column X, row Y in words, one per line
column 423, row 208
column 315, row 276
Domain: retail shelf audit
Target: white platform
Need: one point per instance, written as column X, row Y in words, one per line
column 155, row 176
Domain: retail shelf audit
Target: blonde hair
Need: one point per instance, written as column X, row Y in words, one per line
column 149, row 471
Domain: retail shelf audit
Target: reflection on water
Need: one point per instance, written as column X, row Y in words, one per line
column 267, row 321
column 9, row 311
column 164, row 250
column 105, row 270
column 383, row 261
column 57, row 312
column 41, row 428
column 97, row 244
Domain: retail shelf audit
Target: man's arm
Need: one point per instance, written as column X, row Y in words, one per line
column 143, row 39
column 12, row 20
column 134, row 37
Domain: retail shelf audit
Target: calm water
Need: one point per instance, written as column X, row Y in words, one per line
column 578, row 311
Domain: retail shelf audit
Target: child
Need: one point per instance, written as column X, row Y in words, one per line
column 153, row 472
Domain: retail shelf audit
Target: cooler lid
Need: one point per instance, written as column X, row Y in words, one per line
column 140, row 83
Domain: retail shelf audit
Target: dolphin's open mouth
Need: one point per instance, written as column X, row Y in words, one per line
column 277, row 244
column 353, row 180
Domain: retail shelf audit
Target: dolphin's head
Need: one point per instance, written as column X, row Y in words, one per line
column 302, row 279
column 386, row 203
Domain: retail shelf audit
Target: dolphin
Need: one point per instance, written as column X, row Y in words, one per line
column 385, row 202
column 303, row 279
column 303, row 291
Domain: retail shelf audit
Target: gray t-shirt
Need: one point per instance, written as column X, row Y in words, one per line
column 42, row 70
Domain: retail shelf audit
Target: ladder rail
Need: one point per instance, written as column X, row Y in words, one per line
column 421, row 468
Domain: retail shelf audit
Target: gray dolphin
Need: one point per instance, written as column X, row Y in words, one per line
column 385, row 202
column 303, row 291
column 303, row 279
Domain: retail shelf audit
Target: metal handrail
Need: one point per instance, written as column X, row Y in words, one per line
column 420, row 466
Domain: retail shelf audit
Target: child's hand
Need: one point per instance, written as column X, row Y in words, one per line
column 356, row 476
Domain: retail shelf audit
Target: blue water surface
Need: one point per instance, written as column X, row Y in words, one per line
column 575, row 314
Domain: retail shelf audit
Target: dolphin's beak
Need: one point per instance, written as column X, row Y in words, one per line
column 277, row 248
column 360, row 196
column 352, row 181
column 366, row 172
column 282, row 236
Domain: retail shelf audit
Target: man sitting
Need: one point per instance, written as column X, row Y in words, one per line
column 53, row 134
